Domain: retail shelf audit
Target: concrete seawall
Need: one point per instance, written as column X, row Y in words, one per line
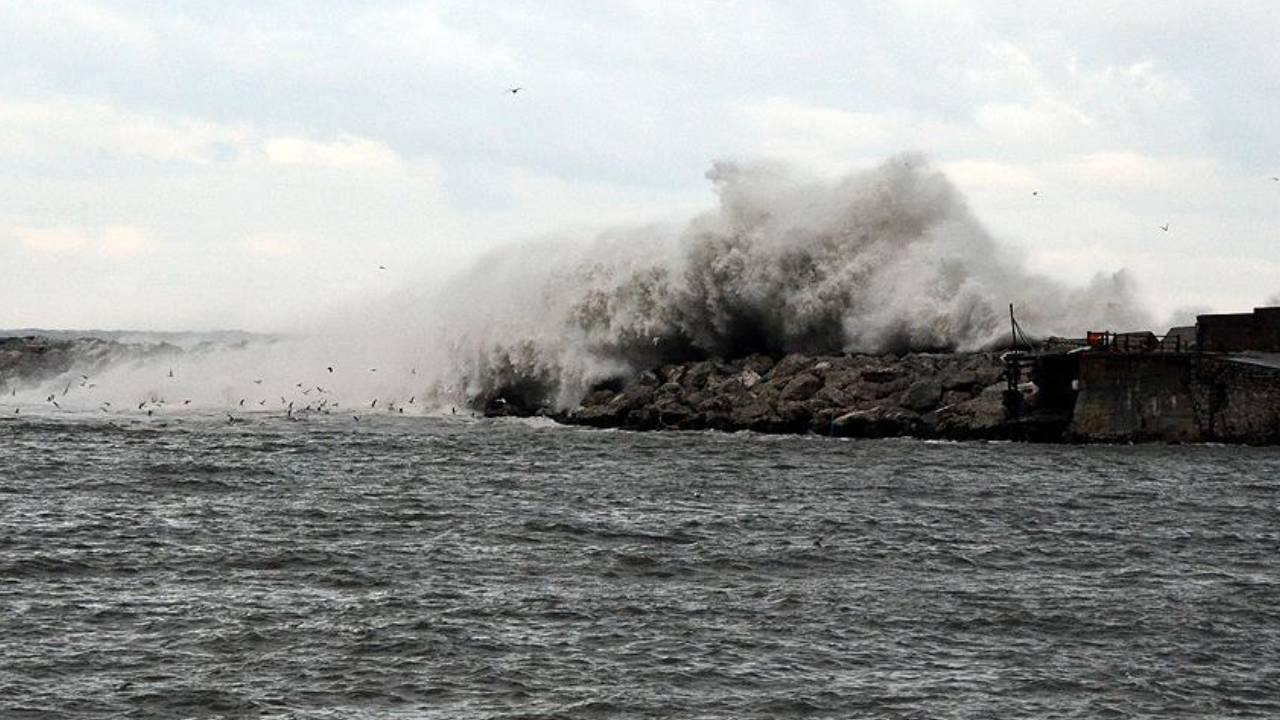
column 1177, row 397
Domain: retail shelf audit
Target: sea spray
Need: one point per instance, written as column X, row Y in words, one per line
column 886, row 260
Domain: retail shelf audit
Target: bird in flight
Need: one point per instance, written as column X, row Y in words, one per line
column 382, row 267
column 1035, row 193
column 1165, row 227
column 514, row 90
column 330, row 367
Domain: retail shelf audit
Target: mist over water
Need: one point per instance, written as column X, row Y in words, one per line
column 885, row 260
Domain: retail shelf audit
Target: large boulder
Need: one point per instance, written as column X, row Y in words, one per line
column 875, row 422
column 790, row 365
column 801, row 387
column 758, row 364
column 705, row 373
column 922, row 395
column 881, row 374
column 613, row 411
column 981, row 416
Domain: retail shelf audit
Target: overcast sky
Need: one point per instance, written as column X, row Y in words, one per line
column 187, row 165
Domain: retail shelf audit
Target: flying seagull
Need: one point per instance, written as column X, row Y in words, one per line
column 330, row 368
column 382, row 267
column 1165, row 227
column 1035, row 192
column 514, row 90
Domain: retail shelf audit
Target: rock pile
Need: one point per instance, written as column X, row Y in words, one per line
column 923, row 395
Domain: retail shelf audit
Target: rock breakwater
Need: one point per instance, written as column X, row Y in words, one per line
column 948, row 395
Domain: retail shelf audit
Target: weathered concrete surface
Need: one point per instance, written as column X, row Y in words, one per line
column 1135, row 397
column 1177, row 398
column 1237, row 400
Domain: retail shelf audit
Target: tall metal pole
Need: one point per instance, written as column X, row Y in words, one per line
column 1013, row 329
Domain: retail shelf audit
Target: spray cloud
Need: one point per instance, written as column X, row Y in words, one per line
column 886, row 260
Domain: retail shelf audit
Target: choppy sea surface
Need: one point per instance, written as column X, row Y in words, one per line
column 403, row 567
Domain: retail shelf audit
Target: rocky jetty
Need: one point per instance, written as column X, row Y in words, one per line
column 31, row 359
column 952, row 395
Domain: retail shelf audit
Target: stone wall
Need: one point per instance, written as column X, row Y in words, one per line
column 1237, row 401
column 1176, row 398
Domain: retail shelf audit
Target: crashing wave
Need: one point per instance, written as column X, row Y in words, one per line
column 887, row 260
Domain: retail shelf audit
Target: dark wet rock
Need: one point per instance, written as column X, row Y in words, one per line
column 674, row 414
column 880, row 374
column 704, row 373
column 789, row 366
column 926, row 395
column 875, row 422
column 981, row 416
column 951, row 397
column 758, row 364
column 747, row 378
column 616, row 410
column 754, row 415
column 880, row 390
column 842, row 378
column 670, row 388
column 800, row 387
column 922, row 395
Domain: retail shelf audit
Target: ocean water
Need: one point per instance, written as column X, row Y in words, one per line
column 438, row 568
